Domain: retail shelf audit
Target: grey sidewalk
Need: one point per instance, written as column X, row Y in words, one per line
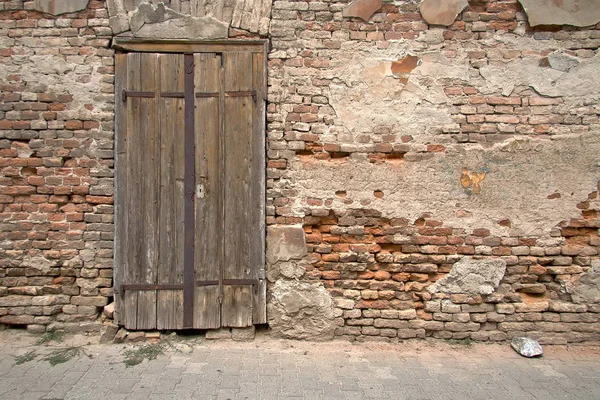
column 267, row 368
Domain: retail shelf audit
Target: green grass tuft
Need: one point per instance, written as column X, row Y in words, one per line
column 51, row 336
column 146, row 351
column 22, row 359
column 60, row 356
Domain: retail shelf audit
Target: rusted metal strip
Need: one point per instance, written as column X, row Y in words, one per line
column 148, row 286
column 128, row 93
column 240, row 281
column 188, row 182
column 222, row 178
column 207, row 283
column 206, row 94
column 248, row 93
column 176, row 95
column 228, row 282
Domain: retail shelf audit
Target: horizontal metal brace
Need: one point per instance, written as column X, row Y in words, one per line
column 149, row 286
column 176, row 95
column 126, row 93
column 249, row 93
column 228, row 282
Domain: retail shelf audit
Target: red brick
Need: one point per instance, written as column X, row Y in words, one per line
column 73, row 125
column 99, row 199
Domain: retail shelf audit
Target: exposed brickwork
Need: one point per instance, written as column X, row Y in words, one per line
column 378, row 271
column 56, row 160
column 378, row 268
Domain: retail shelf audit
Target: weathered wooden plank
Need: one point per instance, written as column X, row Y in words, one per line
column 237, row 304
column 121, row 236
column 238, row 160
column 149, row 173
column 133, row 190
column 183, row 46
column 208, row 233
column 170, row 265
column 258, row 192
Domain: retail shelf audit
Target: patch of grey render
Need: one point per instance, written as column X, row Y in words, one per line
column 577, row 82
column 586, row 289
column 300, row 310
column 366, row 93
column 561, row 61
column 442, row 12
column 471, row 276
column 562, row 12
column 522, row 173
column 58, row 7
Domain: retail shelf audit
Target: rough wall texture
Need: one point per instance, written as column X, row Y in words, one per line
column 396, row 152
column 405, row 150
column 56, row 158
column 56, row 166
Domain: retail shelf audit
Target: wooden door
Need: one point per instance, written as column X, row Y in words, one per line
column 190, row 179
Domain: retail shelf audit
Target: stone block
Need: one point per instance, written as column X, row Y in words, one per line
column 222, row 333
column 563, row 306
column 471, row 276
column 108, row 333
column 285, row 242
column 243, row 334
column 109, row 310
column 120, row 336
column 301, row 310
column 136, row 337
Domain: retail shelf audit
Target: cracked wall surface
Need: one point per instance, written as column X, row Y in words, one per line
column 420, row 158
column 401, row 146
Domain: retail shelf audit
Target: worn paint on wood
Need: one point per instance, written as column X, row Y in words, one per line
column 227, row 188
column 169, row 311
column 209, row 193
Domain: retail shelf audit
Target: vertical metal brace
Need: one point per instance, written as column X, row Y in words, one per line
column 189, row 190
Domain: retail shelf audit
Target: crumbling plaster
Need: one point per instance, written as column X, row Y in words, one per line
column 562, row 12
column 522, row 171
column 522, row 174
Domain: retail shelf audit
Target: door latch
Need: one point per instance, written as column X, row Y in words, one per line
column 200, row 191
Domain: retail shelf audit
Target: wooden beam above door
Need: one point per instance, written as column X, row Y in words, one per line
column 189, row 46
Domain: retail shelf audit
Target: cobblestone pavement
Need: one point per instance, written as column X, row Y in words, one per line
column 194, row 368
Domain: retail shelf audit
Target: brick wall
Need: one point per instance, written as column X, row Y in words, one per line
column 397, row 147
column 56, row 160
column 377, row 259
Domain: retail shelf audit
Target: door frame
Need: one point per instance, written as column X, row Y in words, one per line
column 126, row 45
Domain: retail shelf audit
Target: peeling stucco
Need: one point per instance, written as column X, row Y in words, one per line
column 300, row 310
column 517, row 185
column 578, row 83
column 472, row 276
column 363, row 9
column 58, row 7
column 442, row 12
column 586, row 288
column 562, row 12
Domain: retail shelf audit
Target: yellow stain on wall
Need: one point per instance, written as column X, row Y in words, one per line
column 471, row 181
